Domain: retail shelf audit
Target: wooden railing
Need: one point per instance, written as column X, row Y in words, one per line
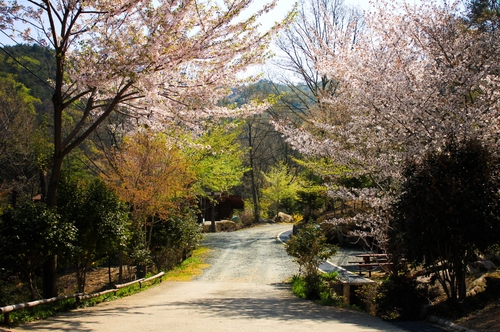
column 6, row 310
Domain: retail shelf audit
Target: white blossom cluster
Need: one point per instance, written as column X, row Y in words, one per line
column 161, row 62
column 417, row 77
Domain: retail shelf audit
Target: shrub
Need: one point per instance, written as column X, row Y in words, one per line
column 400, row 298
column 449, row 209
column 324, row 288
column 330, row 288
column 309, row 248
column 246, row 218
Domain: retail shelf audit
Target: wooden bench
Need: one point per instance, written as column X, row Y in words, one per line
column 371, row 261
column 369, row 267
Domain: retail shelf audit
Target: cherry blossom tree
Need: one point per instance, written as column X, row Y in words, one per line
column 161, row 62
column 311, row 28
column 155, row 61
column 417, row 77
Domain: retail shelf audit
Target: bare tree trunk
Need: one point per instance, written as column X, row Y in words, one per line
column 81, row 274
column 120, row 269
column 254, row 189
column 50, row 265
column 31, row 285
column 50, row 277
column 212, row 217
column 110, row 278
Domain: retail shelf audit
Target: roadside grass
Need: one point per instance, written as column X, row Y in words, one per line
column 299, row 286
column 321, row 290
column 186, row 271
column 190, row 268
column 41, row 312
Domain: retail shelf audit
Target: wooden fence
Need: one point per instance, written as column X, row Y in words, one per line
column 79, row 297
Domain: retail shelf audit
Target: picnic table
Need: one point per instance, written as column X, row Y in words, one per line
column 370, row 262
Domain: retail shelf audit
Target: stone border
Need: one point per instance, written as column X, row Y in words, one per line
column 444, row 322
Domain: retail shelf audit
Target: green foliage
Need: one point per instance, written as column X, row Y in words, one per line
column 449, row 208
column 97, row 212
column 324, row 167
column 484, row 14
column 174, row 239
column 311, row 197
column 26, row 92
column 18, row 137
column 281, row 190
column 218, row 164
column 28, row 235
column 309, row 248
column 399, row 297
column 262, row 90
column 493, row 253
column 330, row 289
column 100, row 218
column 299, row 286
column 323, row 288
column 368, row 294
column 30, row 65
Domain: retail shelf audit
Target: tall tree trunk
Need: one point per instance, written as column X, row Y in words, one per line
column 50, row 265
column 253, row 181
column 43, row 184
column 255, row 197
column 150, row 233
column 82, row 268
column 110, row 278
column 120, row 270
column 50, row 277
column 213, row 228
column 461, row 285
column 31, row 281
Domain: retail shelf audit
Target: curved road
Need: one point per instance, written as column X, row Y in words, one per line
column 243, row 290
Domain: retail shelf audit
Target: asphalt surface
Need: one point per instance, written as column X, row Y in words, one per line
column 243, row 290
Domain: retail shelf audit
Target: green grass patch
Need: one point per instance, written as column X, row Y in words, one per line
column 321, row 290
column 190, row 268
column 42, row 311
column 299, row 287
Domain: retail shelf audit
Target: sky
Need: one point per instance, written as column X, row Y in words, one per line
column 284, row 6
column 279, row 13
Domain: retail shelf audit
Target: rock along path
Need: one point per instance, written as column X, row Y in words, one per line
column 243, row 290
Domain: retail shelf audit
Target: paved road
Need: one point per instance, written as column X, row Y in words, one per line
column 242, row 291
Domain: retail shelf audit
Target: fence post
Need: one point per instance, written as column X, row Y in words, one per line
column 6, row 318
